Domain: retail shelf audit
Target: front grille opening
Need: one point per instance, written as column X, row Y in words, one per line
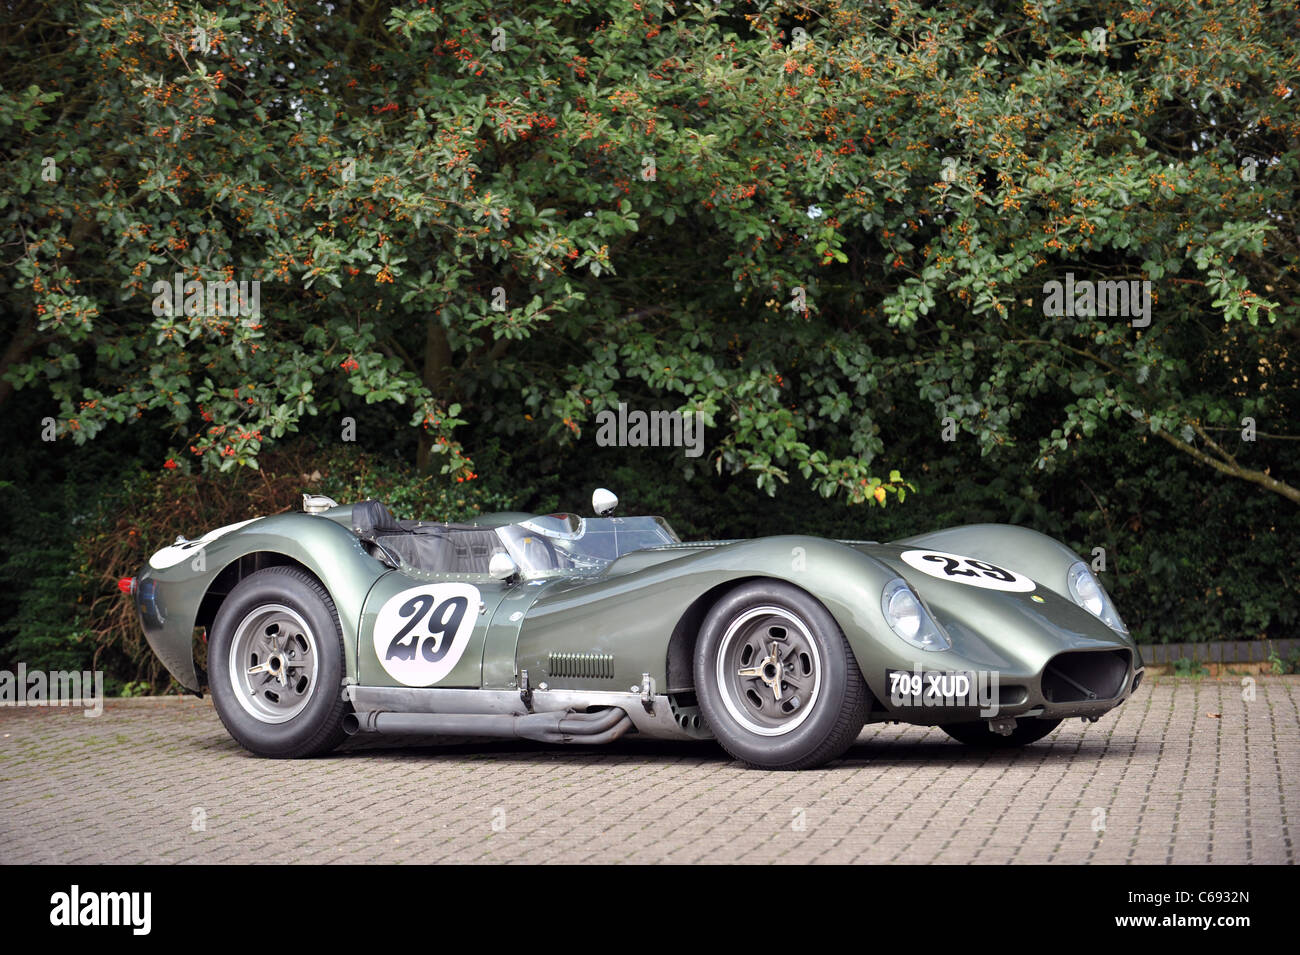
column 1085, row 675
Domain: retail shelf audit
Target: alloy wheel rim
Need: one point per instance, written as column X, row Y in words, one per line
column 769, row 670
column 274, row 662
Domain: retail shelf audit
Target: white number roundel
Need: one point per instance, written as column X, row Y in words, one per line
column 421, row 633
column 173, row 554
column 967, row 570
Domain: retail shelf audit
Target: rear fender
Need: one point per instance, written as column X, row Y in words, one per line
column 186, row 591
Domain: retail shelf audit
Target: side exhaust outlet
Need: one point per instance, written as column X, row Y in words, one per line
column 563, row 726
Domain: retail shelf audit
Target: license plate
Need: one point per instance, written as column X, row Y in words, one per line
column 932, row 688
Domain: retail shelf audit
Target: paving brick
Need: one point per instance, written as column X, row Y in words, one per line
column 1156, row 781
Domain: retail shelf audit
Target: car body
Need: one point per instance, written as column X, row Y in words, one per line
column 341, row 619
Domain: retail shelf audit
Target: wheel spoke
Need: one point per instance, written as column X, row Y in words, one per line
column 775, row 660
column 792, row 668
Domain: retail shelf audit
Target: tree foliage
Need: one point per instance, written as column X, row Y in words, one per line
column 797, row 222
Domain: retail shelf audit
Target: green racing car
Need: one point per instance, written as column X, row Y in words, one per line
column 339, row 620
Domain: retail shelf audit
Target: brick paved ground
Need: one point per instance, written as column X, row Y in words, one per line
column 1174, row 784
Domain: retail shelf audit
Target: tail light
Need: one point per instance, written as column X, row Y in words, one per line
column 126, row 585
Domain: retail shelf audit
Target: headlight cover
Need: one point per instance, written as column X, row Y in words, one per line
column 1087, row 592
column 908, row 618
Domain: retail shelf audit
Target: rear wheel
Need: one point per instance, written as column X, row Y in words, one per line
column 979, row 734
column 276, row 661
column 776, row 680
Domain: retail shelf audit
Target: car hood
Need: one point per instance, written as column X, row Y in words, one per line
column 1000, row 628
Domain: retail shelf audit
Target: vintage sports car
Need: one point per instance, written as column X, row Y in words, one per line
column 342, row 620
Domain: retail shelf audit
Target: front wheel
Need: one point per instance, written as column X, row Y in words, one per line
column 776, row 679
column 275, row 657
column 978, row 733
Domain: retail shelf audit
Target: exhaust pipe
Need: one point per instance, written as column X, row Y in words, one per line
column 560, row 726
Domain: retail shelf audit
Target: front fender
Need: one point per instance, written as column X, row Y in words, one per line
column 171, row 588
column 629, row 616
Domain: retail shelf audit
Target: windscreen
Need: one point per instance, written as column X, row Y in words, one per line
column 563, row 544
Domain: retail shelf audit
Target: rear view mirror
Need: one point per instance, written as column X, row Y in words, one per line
column 603, row 501
column 501, row 567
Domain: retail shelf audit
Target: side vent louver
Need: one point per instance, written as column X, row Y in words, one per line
column 598, row 666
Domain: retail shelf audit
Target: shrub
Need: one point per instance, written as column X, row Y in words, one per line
column 115, row 530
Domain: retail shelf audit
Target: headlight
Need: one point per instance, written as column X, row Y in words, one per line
column 1088, row 593
column 909, row 619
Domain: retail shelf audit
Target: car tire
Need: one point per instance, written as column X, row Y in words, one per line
column 978, row 733
column 275, row 663
column 776, row 680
